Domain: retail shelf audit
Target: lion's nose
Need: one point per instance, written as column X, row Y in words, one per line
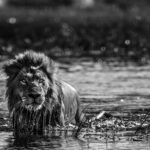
column 34, row 95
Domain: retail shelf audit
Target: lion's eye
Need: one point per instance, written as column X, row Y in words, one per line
column 41, row 80
column 23, row 81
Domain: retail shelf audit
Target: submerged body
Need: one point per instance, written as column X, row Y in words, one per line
column 71, row 104
column 36, row 98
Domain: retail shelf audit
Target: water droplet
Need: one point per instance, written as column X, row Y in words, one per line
column 12, row 20
column 103, row 48
column 122, row 100
column 116, row 50
column 127, row 42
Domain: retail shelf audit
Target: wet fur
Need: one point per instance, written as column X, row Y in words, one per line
column 54, row 109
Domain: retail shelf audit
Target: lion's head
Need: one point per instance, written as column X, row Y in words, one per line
column 31, row 90
column 31, row 86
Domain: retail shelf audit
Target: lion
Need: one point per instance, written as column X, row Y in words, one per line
column 36, row 97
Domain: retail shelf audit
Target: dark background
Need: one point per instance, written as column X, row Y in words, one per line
column 111, row 30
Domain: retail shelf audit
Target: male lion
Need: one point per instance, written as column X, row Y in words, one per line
column 36, row 97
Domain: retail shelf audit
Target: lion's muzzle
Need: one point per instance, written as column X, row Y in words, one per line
column 35, row 95
column 36, row 98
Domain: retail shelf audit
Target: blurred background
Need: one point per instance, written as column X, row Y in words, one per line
column 110, row 30
column 102, row 48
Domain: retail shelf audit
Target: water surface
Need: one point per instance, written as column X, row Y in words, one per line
column 110, row 88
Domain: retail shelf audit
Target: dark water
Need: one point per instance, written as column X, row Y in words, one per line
column 68, row 143
column 102, row 87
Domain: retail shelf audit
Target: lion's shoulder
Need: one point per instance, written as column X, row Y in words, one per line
column 66, row 88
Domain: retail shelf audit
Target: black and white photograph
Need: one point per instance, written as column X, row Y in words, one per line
column 74, row 74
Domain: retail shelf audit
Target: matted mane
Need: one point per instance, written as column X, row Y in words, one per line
column 28, row 59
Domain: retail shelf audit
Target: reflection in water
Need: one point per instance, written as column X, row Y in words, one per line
column 7, row 142
column 41, row 142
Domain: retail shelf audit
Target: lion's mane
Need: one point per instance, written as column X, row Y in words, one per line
column 48, row 67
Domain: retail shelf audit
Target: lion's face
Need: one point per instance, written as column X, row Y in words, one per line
column 32, row 87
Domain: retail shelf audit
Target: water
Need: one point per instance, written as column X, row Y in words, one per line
column 68, row 143
column 112, row 88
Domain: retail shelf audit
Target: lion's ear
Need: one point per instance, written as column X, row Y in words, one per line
column 11, row 68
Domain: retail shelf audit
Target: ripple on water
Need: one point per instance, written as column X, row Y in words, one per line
column 68, row 143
